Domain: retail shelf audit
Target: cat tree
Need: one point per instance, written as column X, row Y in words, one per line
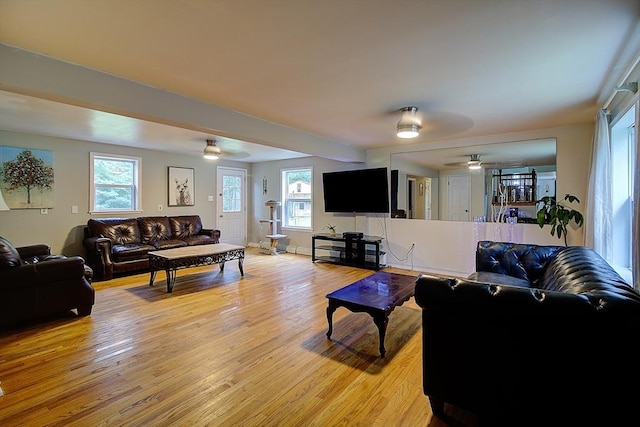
column 273, row 221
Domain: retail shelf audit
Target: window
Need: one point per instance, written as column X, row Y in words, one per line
column 297, row 194
column 115, row 183
column 231, row 193
column 622, row 166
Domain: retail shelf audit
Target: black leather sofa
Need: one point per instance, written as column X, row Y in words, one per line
column 538, row 335
column 117, row 246
column 34, row 284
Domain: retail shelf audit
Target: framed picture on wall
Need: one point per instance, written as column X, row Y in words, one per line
column 26, row 178
column 182, row 186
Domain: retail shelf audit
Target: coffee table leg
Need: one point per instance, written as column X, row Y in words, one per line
column 171, row 280
column 222, row 266
column 381, row 322
column 330, row 309
column 240, row 266
column 153, row 277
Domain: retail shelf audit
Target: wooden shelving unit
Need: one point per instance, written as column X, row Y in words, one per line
column 515, row 189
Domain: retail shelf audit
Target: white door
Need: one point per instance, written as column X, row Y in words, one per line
column 459, row 194
column 411, row 197
column 231, row 205
column 427, row 198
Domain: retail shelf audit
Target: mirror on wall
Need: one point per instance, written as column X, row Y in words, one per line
column 507, row 180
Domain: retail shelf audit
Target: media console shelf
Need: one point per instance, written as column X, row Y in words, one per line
column 364, row 252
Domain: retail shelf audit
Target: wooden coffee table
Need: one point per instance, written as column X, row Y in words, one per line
column 174, row 259
column 378, row 295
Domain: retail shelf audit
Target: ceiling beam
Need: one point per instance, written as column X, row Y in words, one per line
column 40, row 76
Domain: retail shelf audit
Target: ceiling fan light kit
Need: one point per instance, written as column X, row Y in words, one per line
column 211, row 151
column 409, row 124
column 475, row 162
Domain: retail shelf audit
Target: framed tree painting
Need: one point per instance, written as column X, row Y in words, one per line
column 181, row 186
column 26, row 178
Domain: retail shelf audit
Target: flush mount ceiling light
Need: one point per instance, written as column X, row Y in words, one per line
column 409, row 124
column 211, row 151
column 475, row 162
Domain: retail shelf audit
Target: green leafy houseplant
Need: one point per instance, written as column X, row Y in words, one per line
column 558, row 215
column 331, row 228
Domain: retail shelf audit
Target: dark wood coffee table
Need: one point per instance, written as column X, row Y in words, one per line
column 171, row 260
column 378, row 295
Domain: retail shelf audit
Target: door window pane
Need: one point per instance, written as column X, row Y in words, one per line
column 231, row 193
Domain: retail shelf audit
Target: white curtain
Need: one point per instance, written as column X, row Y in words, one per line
column 597, row 223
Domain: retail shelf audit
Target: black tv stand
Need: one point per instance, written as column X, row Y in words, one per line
column 363, row 252
column 352, row 235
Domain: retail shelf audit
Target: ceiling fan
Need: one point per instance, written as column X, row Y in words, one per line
column 475, row 163
column 214, row 150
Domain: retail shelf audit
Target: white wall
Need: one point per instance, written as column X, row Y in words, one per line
column 61, row 229
column 447, row 247
column 297, row 240
column 441, row 246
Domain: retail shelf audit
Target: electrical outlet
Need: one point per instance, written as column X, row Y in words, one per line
column 44, row 211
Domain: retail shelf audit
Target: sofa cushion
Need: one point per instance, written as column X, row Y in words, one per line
column 498, row 279
column 9, row 256
column 580, row 270
column 169, row 244
column 121, row 231
column 200, row 239
column 518, row 260
column 154, row 228
column 133, row 252
column 185, row 226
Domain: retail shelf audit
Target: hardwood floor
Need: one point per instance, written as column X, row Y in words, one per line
column 221, row 350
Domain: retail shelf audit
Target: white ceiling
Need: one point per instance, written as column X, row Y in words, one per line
column 337, row 69
column 22, row 113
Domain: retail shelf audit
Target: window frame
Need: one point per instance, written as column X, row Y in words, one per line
column 284, row 193
column 623, row 136
column 137, row 185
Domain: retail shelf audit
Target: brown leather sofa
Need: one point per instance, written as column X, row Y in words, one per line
column 34, row 283
column 116, row 246
column 537, row 336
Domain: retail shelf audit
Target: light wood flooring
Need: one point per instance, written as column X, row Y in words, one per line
column 221, row 350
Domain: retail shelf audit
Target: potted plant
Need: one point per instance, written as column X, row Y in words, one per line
column 331, row 228
column 558, row 215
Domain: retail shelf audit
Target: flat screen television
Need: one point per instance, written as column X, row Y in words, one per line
column 357, row 191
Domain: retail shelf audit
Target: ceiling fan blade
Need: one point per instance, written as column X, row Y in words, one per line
column 234, row 154
column 454, row 164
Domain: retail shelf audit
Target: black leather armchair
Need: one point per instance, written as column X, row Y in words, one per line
column 539, row 335
column 34, row 283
